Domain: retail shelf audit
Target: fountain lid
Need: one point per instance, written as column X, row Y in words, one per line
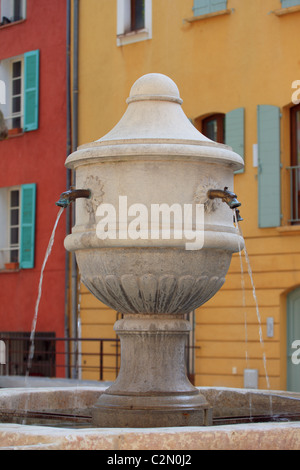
column 154, row 112
column 154, row 123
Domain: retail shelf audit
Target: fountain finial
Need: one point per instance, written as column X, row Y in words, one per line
column 154, row 86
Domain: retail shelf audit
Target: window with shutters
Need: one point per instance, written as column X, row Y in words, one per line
column 287, row 7
column 12, row 11
column 17, row 226
column 226, row 129
column 21, row 105
column 134, row 21
column 289, row 3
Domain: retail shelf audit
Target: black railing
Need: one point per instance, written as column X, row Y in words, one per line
column 76, row 358
column 61, row 357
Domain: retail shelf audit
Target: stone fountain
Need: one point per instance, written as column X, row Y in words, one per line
column 153, row 262
column 153, row 156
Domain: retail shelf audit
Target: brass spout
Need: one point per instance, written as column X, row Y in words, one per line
column 69, row 196
column 226, row 196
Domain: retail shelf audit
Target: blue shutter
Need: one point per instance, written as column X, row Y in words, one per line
column 235, row 132
column 217, row 5
column 202, row 7
column 31, row 91
column 27, row 225
column 269, row 206
column 293, row 334
column 289, row 3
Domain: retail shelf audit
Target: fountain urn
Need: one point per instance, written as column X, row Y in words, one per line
column 142, row 255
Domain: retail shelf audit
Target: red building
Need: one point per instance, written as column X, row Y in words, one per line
column 33, row 148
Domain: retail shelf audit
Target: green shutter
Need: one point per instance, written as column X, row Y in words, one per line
column 269, row 206
column 27, row 229
column 202, row 7
column 235, row 132
column 217, row 5
column 31, row 90
column 289, row 3
column 293, row 334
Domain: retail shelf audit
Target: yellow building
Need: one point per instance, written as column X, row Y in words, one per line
column 236, row 64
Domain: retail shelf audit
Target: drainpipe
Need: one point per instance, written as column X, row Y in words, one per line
column 68, row 184
column 74, row 275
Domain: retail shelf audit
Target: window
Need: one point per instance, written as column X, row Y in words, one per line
column 227, row 129
column 16, row 93
column 17, row 225
column 21, row 78
column 289, row 3
column 14, row 224
column 137, row 15
column 295, row 164
column 204, row 7
column 213, row 127
column 12, row 10
column 134, row 21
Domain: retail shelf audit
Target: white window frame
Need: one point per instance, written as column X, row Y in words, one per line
column 7, row 10
column 6, row 75
column 123, row 19
column 14, row 246
column 18, row 114
column 5, row 208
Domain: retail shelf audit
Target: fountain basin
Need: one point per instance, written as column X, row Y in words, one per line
column 226, row 402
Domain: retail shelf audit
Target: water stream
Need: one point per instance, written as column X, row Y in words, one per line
column 245, row 319
column 256, row 308
column 34, row 322
column 36, row 311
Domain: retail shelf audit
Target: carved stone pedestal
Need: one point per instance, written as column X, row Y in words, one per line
column 152, row 388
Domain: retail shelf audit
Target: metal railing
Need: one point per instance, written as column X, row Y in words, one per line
column 61, row 357
column 76, row 358
column 294, row 193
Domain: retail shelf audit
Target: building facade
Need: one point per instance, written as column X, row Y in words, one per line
column 237, row 67
column 32, row 175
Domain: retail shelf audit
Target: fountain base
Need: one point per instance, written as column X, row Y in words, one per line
column 152, row 411
column 152, row 388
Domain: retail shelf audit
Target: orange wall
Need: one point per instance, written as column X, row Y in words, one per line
column 242, row 59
